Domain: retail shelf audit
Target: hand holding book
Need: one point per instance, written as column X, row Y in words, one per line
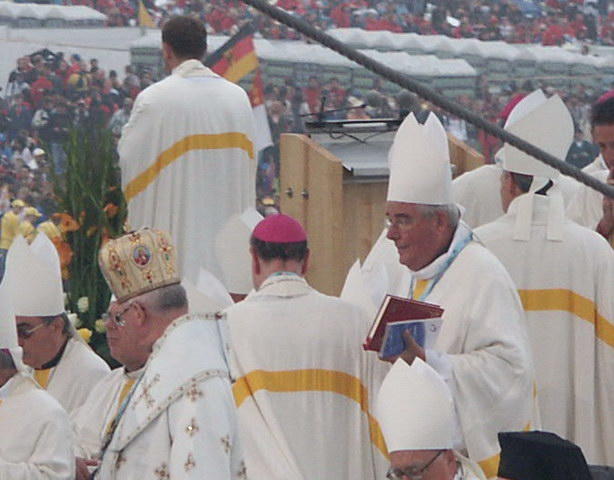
column 404, row 327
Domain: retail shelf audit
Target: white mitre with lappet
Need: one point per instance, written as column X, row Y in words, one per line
column 8, row 329
column 547, row 124
column 34, row 278
column 419, row 163
column 415, row 409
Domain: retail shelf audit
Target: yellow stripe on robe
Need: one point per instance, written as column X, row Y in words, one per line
column 178, row 149
column 490, row 466
column 122, row 395
column 569, row 301
column 311, row 380
column 42, row 377
column 420, row 288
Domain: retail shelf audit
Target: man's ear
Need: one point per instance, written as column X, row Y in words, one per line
column 139, row 311
column 167, row 52
column 256, row 267
column 305, row 265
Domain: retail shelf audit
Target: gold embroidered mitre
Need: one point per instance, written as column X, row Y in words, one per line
column 138, row 262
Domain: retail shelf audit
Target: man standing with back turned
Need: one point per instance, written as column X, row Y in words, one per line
column 186, row 148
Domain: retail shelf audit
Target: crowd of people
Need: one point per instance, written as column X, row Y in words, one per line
column 549, row 22
column 48, row 95
column 289, row 106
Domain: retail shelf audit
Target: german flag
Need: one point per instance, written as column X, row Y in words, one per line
column 237, row 57
column 145, row 19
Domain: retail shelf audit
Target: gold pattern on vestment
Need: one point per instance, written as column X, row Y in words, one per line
column 242, row 473
column 145, row 393
column 226, row 443
column 162, row 472
column 190, row 463
column 192, row 428
column 194, row 392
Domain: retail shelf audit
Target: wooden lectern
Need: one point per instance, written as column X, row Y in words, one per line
column 342, row 211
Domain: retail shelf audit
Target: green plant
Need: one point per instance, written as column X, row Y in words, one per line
column 89, row 193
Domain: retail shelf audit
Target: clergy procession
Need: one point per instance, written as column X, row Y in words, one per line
column 517, row 381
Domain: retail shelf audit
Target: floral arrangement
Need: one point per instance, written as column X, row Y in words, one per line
column 92, row 209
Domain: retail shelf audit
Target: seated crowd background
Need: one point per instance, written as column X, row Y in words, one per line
column 47, row 95
column 549, row 22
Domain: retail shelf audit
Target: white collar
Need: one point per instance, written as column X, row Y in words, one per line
column 440, row 263
column 523, row 208
column 284, row 284
column 134, row 374
column 192, row 68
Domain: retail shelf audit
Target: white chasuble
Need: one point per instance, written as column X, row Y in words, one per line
column 72, row 379
column 567, row 288
column 36, row 442
column 304, row 386
column 482, row 351
column 92, row 420
column 179, row 421
column 188, row 161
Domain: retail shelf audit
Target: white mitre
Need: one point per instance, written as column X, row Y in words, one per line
column 8, row 329
column 547, row 124
column 419, row 162
column 232, row 250
column 415, row 409
column 34, row 278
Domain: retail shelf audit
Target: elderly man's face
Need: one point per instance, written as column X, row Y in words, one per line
column 443, row 466
column 603, row 136
column 40, row 341
column 417, row 237
column 125, row 332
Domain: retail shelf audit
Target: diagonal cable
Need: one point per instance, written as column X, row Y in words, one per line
column 427, row 93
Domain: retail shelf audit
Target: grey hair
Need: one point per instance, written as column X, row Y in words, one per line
column 164, row 299
column 66, row 325
column 451, row 211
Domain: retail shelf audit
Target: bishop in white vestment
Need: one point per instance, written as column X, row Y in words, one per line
column 36, row 441
column 186, row 154
column 482, row 351
column 177, row 416
column 63, row 363
column 416, row 412
column 304, row 387
column 565, row 277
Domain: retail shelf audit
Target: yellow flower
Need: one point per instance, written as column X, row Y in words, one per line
column 99, row 326
column 85, row 333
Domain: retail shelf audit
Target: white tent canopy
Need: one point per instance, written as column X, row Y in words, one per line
column 69, row 14
column 299, row 52
column 438, row 43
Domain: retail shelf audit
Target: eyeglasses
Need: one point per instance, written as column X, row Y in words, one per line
column 399, row 222
column 27, row 332
column 412, row 473
column 116, row 318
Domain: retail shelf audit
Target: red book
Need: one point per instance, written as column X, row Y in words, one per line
column 397, row 309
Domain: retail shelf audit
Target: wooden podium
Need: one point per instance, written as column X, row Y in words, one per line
column 343, row 213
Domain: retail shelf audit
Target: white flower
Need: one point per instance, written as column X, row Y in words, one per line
column 83, row 304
